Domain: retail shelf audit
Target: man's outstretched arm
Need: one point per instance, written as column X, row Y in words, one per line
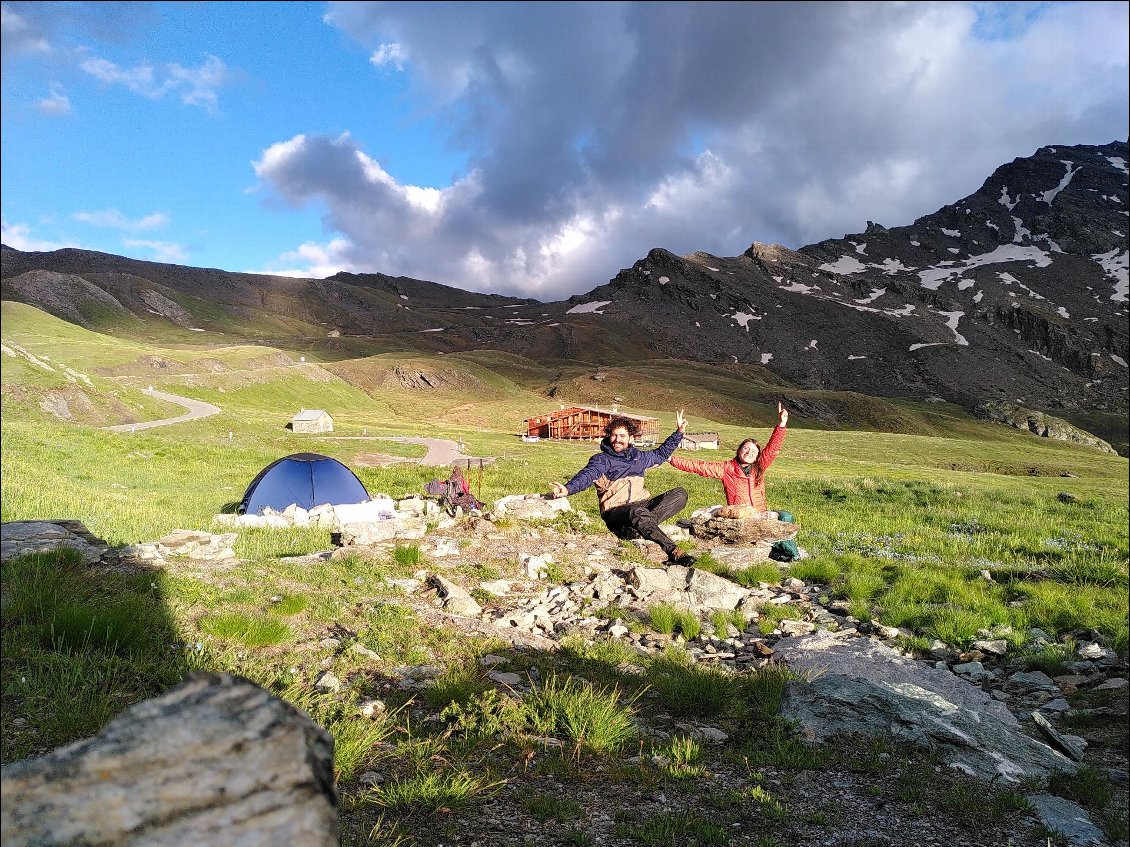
column 581, row 480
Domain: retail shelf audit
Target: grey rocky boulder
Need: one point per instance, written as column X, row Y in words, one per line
column 216, row 760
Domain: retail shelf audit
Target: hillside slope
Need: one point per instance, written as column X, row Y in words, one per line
column 1016, row 294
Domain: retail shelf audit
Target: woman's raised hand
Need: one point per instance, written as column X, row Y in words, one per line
column 782, row 414
column 680, row 421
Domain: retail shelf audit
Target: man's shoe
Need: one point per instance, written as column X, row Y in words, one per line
column 679, row 557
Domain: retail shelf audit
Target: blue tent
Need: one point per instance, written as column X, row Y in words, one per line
column 306, row 479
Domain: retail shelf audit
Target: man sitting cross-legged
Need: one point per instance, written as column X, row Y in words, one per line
column 617, row 473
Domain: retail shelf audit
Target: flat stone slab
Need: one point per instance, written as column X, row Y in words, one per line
column 21, row 538
column 744, row 530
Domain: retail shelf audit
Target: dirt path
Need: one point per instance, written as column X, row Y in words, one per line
column 441, row 451
column 196, row 409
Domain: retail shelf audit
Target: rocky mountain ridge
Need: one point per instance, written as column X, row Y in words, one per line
column 1015, row 294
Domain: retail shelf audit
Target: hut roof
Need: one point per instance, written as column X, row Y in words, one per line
column 310, row 415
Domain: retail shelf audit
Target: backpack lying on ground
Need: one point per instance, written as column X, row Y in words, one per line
column 451, row 495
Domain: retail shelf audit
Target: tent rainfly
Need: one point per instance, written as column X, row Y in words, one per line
column 303, row 479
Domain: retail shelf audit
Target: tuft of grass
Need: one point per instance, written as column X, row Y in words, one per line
column 759, row 572
column 823, row 571
column 289, row 604
column 761, row 692
column 770, row 806
column 408, row 555
column 458, row 685
column 723, row 619
column 674, row 829
column 63, row 698
column 117, row 626
column 668, row 619
column 970, row 804
column 384, row 834
column 689, row 689
column 357, row 740
column 67, row 608
column 491, row 714
column 431, row 792
column 248, row 630
column 772, row 615
column 683, row 758
column 663, row 617
column 1088, row 786
column 1052, row 659
column 545, row 807
column 592, row 718
column 707, row 561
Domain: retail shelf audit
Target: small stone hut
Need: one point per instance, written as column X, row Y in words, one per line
column 700, row 441
column 312, row 420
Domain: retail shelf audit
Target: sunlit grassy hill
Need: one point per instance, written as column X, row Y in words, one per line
column 62, row 385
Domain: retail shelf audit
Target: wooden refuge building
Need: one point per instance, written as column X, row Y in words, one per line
column 586, row 423
column 312, row 420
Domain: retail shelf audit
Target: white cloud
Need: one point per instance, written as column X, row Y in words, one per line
column 19, row 236
column 20, row 35
column 113, row 219
column 55, row 104
column 195, row 86
column 311, row 261
column 389, row 54
column 595, row 132
column 163, row 251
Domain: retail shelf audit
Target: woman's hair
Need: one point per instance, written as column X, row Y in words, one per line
column 628, row 424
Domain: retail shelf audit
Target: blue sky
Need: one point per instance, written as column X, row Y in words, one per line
column 532, row 149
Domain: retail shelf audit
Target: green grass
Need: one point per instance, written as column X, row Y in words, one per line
column 691, row 689
column 760, row 572
column 668, row 619
column 546, row 807
column 903, row 526
column 592, row 718
column 682, row 758
column 723, row 619
column 458, row 685
column 248, row 630
column 429, row 791
column 674, row 829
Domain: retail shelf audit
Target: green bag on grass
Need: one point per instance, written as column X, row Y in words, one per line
column 784, row 551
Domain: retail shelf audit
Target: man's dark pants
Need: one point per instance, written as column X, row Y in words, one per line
column 645, row 516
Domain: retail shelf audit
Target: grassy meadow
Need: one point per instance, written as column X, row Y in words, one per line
column 904, row 514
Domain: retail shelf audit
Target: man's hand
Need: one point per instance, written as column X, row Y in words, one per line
column 782, row 414
column 557, row 490
column 680, row 421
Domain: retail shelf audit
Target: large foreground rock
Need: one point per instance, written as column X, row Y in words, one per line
column 858, row 686
column 215, row 761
